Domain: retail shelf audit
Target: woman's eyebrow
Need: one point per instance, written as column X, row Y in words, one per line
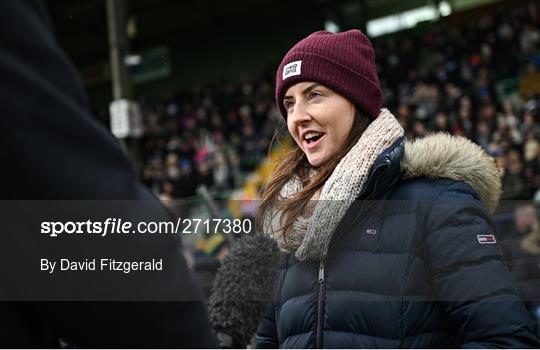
column 305, row 91
column 311, row 87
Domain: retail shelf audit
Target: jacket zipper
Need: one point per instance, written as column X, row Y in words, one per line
column 320, row 307
column 320, row 297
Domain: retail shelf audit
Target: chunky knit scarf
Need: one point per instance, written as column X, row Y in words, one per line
column 310, row 235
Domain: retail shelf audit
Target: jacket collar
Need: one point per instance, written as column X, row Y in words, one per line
column 438, row 155
column 385, row 172
column 441, row 155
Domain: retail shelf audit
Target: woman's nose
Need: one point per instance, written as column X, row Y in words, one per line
column 300, row 114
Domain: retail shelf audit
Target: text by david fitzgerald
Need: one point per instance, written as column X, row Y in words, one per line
column 101, row 265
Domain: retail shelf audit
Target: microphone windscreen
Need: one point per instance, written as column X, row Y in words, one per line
column 243, row 287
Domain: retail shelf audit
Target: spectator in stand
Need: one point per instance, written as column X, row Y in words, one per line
column 529, row 125
column 505, row 135
column 440, row 123
column 167, row 195
column 514, row 182
column 508, row 115
column 522, row 253
column 483, row 135
column 187, row 182
column 532, row 163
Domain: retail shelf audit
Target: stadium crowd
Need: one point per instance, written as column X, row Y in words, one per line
column 212, row 135
column 456, row 79
column 480, row 80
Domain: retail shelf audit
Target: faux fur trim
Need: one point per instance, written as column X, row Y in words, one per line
column 440, row 155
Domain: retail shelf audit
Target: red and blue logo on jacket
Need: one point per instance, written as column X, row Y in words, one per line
column 486, row 239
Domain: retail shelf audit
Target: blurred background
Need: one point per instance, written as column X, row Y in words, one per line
column 187, row 87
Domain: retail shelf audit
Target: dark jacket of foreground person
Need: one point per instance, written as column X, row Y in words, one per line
column 411, row 265
column 53, row 148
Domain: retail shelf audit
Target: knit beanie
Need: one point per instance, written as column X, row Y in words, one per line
column 344, row 62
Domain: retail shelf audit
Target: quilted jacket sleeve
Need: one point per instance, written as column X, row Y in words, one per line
column 471, row 281
column 267, row 333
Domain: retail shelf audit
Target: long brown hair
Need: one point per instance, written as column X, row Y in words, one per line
column 295, row 163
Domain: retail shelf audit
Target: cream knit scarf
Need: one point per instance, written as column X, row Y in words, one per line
column 310, row 236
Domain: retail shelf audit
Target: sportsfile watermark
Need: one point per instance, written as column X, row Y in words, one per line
column 130, row 250
column 121, row 226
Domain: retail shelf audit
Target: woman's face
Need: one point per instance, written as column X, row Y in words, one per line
column 318, row 119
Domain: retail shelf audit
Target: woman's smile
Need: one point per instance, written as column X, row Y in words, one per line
column 312, row 140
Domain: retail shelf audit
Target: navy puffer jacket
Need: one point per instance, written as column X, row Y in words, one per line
column 413, row 264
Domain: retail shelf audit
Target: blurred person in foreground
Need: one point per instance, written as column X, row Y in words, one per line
column 57, row 151
column 388, row 243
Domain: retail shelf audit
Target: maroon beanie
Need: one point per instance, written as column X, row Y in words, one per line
column 344, row 62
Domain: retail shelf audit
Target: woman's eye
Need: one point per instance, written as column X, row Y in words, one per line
column 313, row 94
column 288, row 104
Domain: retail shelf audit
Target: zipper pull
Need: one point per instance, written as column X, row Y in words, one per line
column 321, row 272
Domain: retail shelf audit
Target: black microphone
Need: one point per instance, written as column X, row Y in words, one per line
column 242, row 289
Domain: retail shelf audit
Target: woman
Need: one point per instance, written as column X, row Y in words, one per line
column 389, row 244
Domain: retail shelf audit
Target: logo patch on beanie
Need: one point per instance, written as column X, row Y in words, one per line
column 292, row 69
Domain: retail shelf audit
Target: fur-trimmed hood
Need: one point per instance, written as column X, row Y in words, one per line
column 440, row 155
